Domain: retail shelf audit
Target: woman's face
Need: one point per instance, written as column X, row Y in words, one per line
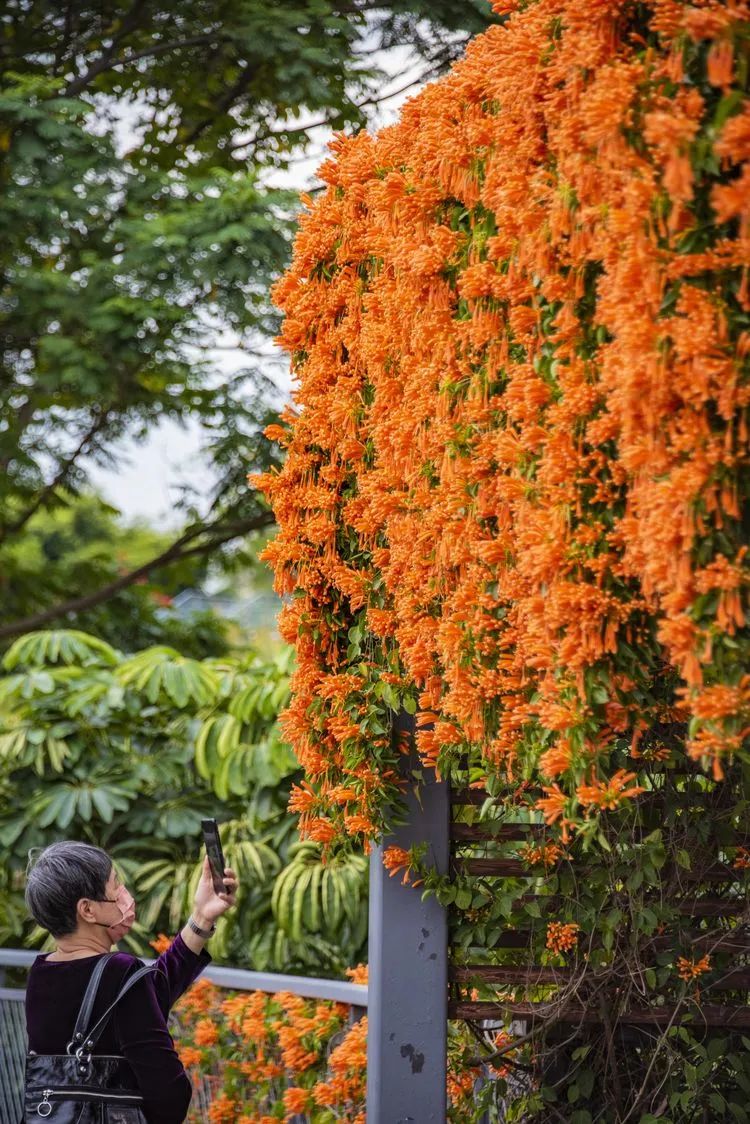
column 115, row 911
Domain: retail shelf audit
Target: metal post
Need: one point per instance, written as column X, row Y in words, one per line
column 408, row 980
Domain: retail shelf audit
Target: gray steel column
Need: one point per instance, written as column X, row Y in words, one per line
column 408, row 978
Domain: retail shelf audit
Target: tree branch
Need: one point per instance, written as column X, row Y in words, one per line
column 129, row 22
column 179, row 550
column 224, row 103
column 60, row 477
column 23, row 416
column 107, row 62
column 270, row 133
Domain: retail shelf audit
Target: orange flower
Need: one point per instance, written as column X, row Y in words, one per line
column 547, row 854
column 396, row 859
column 742, row 859
column 296, row 1101
column 556, row 760
column 201, row 997
column 553, row 804
column 162, row 943
column 358, row 974
column 206, row 1033
column 611, row 793
column 189, row 1056
column 562, row 937
column 223, row 1110
column 689, row 969
column 514, row 469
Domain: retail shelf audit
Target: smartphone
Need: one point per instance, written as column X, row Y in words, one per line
column 215, row 854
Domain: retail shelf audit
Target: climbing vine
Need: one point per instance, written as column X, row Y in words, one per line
column 515, row 496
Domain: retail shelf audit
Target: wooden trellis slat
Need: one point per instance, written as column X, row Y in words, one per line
column 712, row 894
column 482, row 833
column 733, row 979
column 514, row 868
column 470, row 796
column 735, row 940
column 707, row 1014
column 693, row 907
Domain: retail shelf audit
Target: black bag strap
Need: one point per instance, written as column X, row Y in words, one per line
column 87, row 1006
column 97, row 1030
column 83, row 1040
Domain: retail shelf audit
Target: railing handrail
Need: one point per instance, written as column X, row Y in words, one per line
column 240, row 979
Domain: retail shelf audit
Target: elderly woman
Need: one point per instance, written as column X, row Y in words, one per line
column 74, row 891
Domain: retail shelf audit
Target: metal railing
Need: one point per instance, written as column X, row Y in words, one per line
column 13, row 1020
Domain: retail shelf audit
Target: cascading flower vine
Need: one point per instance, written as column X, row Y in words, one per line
column 515, row 492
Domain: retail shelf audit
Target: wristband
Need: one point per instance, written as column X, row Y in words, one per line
column 204, row 933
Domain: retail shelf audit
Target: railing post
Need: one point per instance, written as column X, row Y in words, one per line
column 408, row 977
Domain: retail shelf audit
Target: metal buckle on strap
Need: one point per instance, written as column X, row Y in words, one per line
column 74, row 1040
column 83, row 1067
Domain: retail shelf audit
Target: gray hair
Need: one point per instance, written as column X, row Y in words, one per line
column 59, row 877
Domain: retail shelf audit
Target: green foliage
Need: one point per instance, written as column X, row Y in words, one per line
column 82, row 545
column 309, row 898
column 114, row 269
column 256, row 65
column 656, row 893
column 130, row 753
column 137, row 224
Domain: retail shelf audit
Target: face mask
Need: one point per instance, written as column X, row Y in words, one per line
column 124, row 899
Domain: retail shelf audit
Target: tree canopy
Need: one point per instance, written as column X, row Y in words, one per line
column 257, row 67
column 83, row 545
column 138, row 224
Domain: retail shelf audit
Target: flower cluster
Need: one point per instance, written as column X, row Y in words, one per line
column 562, row 937
column 690, row 969
column 516, row 469
column 267, row 1058
column 545, row 854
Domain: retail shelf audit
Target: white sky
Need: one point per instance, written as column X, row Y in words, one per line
column 147, row 478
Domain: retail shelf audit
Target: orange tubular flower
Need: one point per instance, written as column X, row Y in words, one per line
column 548, row 854
column 689, row 970
column 206, row 1033
column 609, row 794
column 552, row 805
column 516, row 462
column 223, row 1110
column 296, row 1101
column 190, row 1057
column 162, row 943
column 562, row 937
column 359, row 974
column 396, row 859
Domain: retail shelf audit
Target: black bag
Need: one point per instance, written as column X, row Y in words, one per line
column 79, row 1087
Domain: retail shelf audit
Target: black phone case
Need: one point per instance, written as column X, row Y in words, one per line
column 215, row 856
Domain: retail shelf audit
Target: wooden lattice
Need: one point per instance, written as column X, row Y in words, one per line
column 497, row 976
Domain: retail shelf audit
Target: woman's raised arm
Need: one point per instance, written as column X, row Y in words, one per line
column 145, row 1042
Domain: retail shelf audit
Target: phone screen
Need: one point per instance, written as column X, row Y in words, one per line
column 215, row 853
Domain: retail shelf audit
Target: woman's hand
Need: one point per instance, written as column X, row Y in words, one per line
column 207, row 904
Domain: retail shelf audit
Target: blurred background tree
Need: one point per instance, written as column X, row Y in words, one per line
column 141, row 223
column 80, row 545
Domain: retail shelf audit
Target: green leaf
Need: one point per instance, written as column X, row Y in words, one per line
column 683, row 859
column 463, row 898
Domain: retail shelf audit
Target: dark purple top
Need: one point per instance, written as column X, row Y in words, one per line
column 138, row 1028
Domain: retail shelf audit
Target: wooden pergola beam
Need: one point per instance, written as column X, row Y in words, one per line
column 705, row 1014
